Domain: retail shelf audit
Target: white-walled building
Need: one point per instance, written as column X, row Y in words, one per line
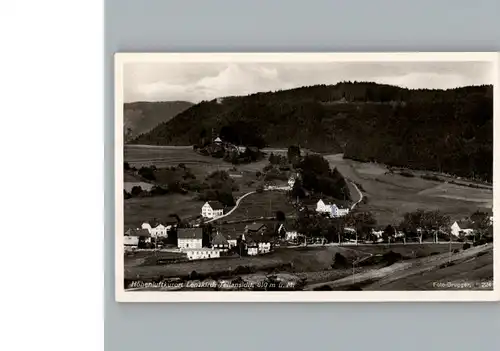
column 132, row 237
column 212, row 209
column 189, row 238
column 459, row 228
column 332, row 209
column 219, row 241
column 202, row 253
column 157, row 229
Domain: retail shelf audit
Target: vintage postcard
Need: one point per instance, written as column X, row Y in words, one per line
column 305, row 177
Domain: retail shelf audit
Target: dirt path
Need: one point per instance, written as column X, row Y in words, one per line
column 233, row 209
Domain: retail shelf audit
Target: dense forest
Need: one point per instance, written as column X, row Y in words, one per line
column 449, row 131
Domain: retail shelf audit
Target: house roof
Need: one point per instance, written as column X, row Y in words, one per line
column 252, row 239
column 190, row 233
column 137, row 232
column 463, row 224
column 216, row 205
column 219, row 239
column 254, row 227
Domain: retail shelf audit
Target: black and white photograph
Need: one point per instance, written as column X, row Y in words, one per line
column 304, row 177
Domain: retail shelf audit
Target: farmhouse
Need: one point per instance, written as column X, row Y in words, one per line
column 158, row 229
column 460, row 228
column 232, row 240
column 189, row 238
column 257, row 244
column 331, row 209
column 133, row 236
column 293, row 178
column 288, row 232
column 220, row 242
column 212, row 209
column 255, row 228
column 202, row 253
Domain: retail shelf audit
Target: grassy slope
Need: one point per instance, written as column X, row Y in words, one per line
column 141, row 117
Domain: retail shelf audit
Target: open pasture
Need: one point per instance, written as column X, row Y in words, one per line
column 389, row 196
column 141, row 209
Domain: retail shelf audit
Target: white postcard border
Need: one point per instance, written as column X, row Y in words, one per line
column 295, row 296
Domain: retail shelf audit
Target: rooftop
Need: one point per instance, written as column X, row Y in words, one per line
column 137, row 232
column 216, row 205
column 190, row 233
column 254, row 227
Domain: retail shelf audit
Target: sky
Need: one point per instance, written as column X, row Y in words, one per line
column 195, row 82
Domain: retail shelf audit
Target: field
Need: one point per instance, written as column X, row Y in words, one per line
column 261, row 205
column 476, row 272
column 141, row 209
column 302, row 259
column 138, row 210
column 389, row 196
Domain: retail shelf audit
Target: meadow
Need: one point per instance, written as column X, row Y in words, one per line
column 390, row 195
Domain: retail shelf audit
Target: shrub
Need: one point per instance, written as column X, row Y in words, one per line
column 260, row 189
column 456, row 251
column 258, row 174
column 147, row 173
column 136, row 190
column 407, row 174
column 465, row 246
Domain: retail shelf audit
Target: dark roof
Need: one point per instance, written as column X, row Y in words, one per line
column 137, row 232
column 219, row 239
column 256, row 238
column 254, row 227
column 190, row 233
column 216, row 205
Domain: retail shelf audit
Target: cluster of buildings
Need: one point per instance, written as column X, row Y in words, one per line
column 253, row 241
column 331, row 209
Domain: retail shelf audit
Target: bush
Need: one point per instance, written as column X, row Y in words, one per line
column 465, row 246
column 430, row 177
column 147, row 173
column 407, row 174
column 456, row 251
column 258, row 174
column 136, row 190
column 260, row 189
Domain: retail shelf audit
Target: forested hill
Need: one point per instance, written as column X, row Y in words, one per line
column 140, row 117
column 443, row 130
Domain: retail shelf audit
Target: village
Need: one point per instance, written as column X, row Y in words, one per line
column 199, row 240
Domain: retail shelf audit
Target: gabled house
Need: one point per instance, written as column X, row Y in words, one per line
column 459, row 228
column 212, row 209
column 189, row 238
column 157, row 229
column 218, row 140
column 293, row 178
column 331, row 209
column 255, row 228
column 257, row 243
column 288, row 232
column 133, row 236
column 219, row 241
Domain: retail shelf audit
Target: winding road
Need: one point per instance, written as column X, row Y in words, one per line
column 233, row 209
column 359, row 193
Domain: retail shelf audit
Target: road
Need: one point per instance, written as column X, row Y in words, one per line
column 359, row 193
column 233, row 209
column 402, row 269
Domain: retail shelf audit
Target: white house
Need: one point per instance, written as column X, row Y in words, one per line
column 218, row 140
column 293, row 178
column 189, row 238
column 220, row 242
column 460, row 228
column 332, row 209
column 257, row 244
column 202, row 253
column 212, row 209
column 132, row 236
column 130, row 240
column 290, row 234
